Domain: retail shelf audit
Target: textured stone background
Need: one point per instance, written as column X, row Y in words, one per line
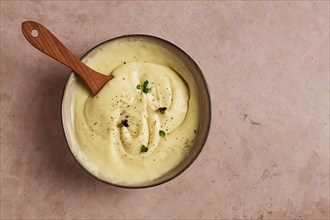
column 267, row 156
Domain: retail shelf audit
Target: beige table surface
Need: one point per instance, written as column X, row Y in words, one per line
column 267, row 155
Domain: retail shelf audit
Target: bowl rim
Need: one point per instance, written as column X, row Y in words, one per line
column 209, row 112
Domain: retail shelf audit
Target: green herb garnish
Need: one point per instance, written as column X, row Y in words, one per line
column 145, row 88
column 145, row 84
column 162, row 133
column 162, row 110
column 143, row 149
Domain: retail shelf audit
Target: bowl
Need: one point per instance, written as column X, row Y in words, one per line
column 193, row 75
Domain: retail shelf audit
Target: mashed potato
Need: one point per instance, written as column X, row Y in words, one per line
column 143, row 122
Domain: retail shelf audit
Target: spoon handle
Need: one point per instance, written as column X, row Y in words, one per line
column 42, row 39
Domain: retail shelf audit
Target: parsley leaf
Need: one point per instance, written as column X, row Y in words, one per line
column 138, row 87
column 162, row 133
column 145, row 88
column 143, row 149
column 145, row 84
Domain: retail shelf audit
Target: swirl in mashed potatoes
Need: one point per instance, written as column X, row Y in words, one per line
column 130, row 132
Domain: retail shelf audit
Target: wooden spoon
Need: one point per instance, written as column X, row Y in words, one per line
column 46, row 42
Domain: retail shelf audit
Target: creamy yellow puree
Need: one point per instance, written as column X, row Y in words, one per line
column 112, row 151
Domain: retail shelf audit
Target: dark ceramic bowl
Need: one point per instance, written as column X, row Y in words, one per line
column 204, row 110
